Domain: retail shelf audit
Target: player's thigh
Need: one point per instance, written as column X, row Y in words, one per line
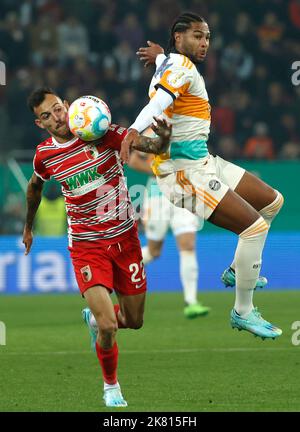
column 100, row 303
column 92, row 266
column 128, row 267
column 155, row 247
column 156, row 218
column 186, row 241
column 255, row 191
column 184, row 225
column 252, row 189
column 234, row 213
column 132, row 308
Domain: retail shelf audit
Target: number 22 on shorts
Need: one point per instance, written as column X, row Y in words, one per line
column 137, row 269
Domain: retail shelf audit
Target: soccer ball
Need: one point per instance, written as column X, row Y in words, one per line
column 89, row 118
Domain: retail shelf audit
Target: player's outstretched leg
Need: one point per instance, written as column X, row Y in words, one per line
column 228, row 278
column 238, row 216
column 100, row 304
column 244, row 316
column 267, row 202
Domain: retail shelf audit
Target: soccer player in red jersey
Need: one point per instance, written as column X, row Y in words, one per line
column 103, row 241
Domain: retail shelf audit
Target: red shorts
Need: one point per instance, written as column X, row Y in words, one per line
column 117, row 266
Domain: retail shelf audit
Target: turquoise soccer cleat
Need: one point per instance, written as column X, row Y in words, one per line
column 228, row 278
column 86, row 315
column 113, row 398
column 194, row 310
column 254, row 323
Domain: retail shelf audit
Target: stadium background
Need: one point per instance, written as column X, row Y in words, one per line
column 88, row 46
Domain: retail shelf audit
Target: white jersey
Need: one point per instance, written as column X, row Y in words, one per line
column 189, row 114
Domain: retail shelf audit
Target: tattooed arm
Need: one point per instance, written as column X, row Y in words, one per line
column 154, row 145
column 34, row 196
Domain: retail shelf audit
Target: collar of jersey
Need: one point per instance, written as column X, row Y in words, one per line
column 66, row 144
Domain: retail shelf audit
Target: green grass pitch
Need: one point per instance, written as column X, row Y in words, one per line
column 171, row 364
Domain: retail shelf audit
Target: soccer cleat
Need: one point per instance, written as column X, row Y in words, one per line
column 86, row 315
column 113, row 398
column 228, row 278
column 254, row 323
column 195, row 310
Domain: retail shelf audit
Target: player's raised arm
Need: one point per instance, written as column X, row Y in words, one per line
column 154, row 145
column 149, row 54
column 155, row 108
column 34, row 196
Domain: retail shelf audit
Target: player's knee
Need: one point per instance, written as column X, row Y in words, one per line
column 257, row 229
column 155, row 251
column 272, row 209
column 187, row 246
column 108, row 328
column 135, row 323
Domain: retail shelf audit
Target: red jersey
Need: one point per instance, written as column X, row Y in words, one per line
column 93, row 185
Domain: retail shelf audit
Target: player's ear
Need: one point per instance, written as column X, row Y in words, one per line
column 66, row 104
column 177, row 36
column 38, row 122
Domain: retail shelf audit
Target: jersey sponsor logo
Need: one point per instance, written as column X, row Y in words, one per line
column 83, row 178
column 176, row 79
column 86, row 273
column 214, row 185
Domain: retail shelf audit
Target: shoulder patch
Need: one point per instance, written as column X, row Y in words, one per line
column 176, row 79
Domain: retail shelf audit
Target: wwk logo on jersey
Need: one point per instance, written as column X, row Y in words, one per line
column 83, row 178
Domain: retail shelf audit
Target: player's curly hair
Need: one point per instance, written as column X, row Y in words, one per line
column 181, row 24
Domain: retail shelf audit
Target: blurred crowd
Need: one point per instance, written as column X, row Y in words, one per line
column 89, row 47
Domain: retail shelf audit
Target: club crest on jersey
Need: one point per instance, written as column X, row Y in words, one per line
column 91, row 151
column 86, row 273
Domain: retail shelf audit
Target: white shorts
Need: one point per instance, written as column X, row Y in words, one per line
column 159, row 214
column 201, row 188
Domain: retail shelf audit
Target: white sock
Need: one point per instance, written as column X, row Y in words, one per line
column 247, row 264
column 189, row 275
column 111, row 386
column 269, row 213
column 147, row 257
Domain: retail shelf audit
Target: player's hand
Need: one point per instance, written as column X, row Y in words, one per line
column 162, row 128
column 148, row 54
column 27, row 239
column 127, row 143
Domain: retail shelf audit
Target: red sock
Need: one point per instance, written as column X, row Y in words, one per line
column 120, row 324
column 108, row 359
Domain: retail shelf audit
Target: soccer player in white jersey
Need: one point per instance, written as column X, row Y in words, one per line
column 103, row 240
column 221, row 192
column 158, row 215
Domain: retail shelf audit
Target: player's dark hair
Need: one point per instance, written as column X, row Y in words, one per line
column 182, row 24
column 38, row 96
